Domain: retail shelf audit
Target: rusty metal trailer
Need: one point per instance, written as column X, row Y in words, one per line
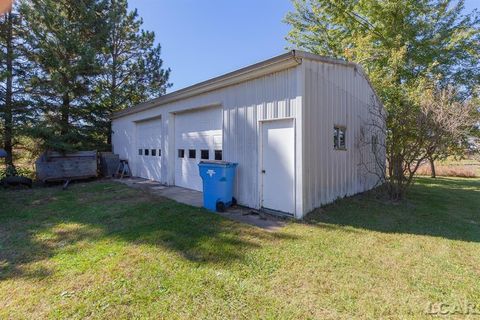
column 55, row 166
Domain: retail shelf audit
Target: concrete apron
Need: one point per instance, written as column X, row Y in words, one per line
column 195, row 198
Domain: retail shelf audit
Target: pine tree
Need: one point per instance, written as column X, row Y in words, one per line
column 7, row 76
column 64, row 39
column 15, row 71
column 132, row 69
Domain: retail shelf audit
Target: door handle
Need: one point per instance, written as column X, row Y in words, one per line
column 263, row 171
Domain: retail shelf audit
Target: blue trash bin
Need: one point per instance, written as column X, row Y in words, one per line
column 218, row 178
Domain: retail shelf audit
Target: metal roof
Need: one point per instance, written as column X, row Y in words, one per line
column 284, row 61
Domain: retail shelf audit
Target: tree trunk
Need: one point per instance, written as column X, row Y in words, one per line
column 432, row 167
column 65, row 114
column 109, row 135
column 113, row 98
column 113, row 91
column 397, row 179
column 8, row 112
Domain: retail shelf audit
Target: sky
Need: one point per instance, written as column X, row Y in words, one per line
column 202, row 39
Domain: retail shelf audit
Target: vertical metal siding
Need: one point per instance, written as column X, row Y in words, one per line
column 270, row 97
column 334, row 95
column 244, row 105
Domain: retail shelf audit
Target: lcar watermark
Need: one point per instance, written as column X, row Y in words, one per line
column 456, row 308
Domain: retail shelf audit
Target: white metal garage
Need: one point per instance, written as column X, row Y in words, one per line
column 198, row 136
column 292, row 123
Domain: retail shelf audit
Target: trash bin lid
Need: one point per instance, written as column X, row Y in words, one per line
column 214, row 162
column 217, row 162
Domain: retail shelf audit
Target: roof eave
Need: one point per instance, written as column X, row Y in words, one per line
column 278, row 63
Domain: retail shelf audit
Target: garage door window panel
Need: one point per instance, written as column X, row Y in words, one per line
column 218, row 155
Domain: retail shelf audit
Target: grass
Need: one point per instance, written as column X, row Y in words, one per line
column 101, row 250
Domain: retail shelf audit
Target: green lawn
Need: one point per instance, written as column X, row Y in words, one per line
column 101, row 250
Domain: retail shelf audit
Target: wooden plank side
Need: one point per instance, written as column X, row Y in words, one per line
column 77, row 165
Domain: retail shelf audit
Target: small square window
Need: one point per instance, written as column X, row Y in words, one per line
column 192, row 153
column 159, row 152
column 218, row 155
column 335, row 138
column 181, row 153
column 154, row 152
column 140, row 152
column 205, row 154
column 339, row 138
column 146, row 152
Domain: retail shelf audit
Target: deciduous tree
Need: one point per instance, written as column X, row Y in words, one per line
column 401, row 44
column 449, row 122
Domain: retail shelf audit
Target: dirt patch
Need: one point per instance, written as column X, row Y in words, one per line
column 43, row 201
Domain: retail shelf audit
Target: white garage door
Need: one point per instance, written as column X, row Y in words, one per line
column 198, row 136
column 149, row 149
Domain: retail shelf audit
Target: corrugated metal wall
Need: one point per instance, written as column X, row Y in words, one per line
column 335, row 94
column 269, row 97
column 331, row 94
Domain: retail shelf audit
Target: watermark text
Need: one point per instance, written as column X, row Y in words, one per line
column 452, row 308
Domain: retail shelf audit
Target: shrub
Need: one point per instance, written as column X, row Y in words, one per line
column 25, row 172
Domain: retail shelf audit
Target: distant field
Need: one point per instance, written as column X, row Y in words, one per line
column 466, row 168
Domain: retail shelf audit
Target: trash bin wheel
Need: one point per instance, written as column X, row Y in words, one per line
column 234, row 201
column 220, row 206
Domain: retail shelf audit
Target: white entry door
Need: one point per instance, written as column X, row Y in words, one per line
column 198, row 136
column 149, row 149
column 278, row 165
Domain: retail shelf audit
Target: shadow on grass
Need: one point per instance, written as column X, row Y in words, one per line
column 36, row 225
column 442, row 207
